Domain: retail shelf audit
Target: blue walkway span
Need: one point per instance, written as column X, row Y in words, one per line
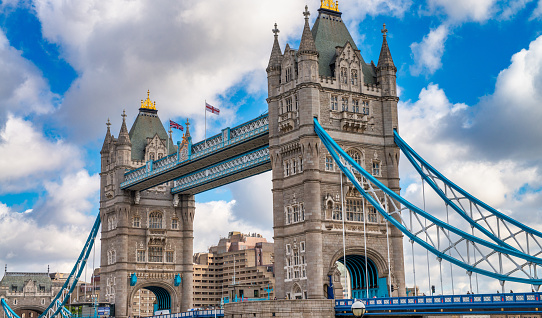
column 236, row 153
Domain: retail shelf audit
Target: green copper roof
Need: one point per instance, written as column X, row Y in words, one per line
column 18, row 280
column 329, row 31
column 146, row 125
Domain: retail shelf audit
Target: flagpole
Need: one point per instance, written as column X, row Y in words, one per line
column 169, row 138
column 205, row 109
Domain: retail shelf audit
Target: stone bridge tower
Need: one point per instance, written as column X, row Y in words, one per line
column 356, row 102
column 147, row 237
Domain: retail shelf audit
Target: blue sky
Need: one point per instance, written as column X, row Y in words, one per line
column 469, row 74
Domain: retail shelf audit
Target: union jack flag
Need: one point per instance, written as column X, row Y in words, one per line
column 173, row 124
column 212, row 109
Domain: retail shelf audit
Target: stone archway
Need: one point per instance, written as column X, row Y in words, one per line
column 297, row 293
column 29, row 311
column 365, row 279
column 166, row 298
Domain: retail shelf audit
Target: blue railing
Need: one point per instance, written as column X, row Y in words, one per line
column 228, row 137
column 446, row 302
column 243, row 162
column 195, row 313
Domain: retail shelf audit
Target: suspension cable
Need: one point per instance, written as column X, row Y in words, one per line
column 344, row 240
column 427, row 239
column 365, row 248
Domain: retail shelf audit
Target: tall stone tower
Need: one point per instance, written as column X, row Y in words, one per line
column 356, row 102
column 147, row 237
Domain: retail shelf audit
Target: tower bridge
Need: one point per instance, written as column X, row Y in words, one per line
column 331, row 139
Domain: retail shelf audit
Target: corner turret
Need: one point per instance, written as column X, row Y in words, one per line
column 124, row 146
column 386, row 70
column 273, row 68
column 307, row 54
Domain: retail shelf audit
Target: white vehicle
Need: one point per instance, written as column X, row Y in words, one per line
column 161, row 312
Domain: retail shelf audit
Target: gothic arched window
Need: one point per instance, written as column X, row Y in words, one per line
column 155, row 220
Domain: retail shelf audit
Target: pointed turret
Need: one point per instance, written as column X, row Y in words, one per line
column 307, row 46
column 274, row 67
column 107, row 139
column 276, row 53
column 385, row 59
column 386, row 70
column 124, row 137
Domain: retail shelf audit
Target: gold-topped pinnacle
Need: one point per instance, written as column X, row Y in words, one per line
column 330, row 5
column 147, row 103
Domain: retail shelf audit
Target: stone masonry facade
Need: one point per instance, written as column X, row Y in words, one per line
column 356, row 103
column 148, row 233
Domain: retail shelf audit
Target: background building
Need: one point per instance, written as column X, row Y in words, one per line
column 241, row 266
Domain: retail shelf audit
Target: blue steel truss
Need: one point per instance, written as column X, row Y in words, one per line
column 228, row 138
column 500, row 227
column 223, row 169
column 430, row 232
column 447, row 304
column 56, row 307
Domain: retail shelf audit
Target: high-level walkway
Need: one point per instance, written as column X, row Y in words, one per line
column 234, row 154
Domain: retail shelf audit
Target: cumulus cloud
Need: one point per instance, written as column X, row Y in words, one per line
column 427, row 54
column 28, row 156
column 491, row 149
column 23, row 90
column 54, row 231
column 122, row 48
column 207, row 232
column 480, row 11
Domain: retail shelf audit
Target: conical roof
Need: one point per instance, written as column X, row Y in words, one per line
column 329, row 32
column 107, row 139
column 385, row 58
column 124, row 138
column 146, row 125
column 276, row 53
column 307, row 46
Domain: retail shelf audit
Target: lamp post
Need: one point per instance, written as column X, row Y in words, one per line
column 358, row 308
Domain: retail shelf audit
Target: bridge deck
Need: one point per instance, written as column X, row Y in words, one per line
column 231, row 143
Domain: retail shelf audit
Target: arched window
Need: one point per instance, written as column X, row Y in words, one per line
column 155, row 220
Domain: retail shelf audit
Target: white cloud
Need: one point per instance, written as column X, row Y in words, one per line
column 464, row 10
column 537, row 12
column 363, row 8
column 428, row 53
column 27, row 156
column 23, row 90
column 54, row 231
column 216, row 219
column 491, row 149
column 122, row 48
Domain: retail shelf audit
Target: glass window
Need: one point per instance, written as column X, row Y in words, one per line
column 354, row 210
column 296, row 258
column 334, row 103
column 371, row 215
column 141, row 256
column 289, row 215
column 344, row 75
column 169, row 256
column 294, row 166
column 366, row 107
column 302, row 246
column 337, row 213
column 137, row 221
column 355, row 105
column 174, row 223
column 156, row 254
column 296, row 213
column 329, row 163
column 155, row 220
column 289, row 104
column 345, row 104
column 376, row 168
column 354, row 77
